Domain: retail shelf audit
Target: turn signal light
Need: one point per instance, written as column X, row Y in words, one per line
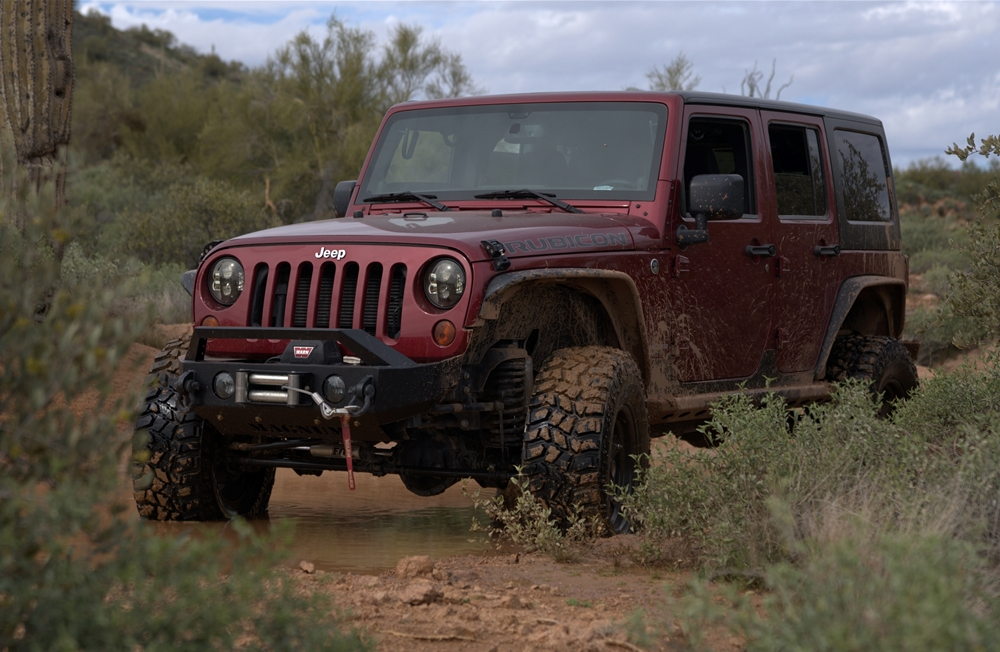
column 444, row 333
column 210, row 321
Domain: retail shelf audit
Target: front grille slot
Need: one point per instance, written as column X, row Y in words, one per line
column 259, row 293
column 348, row 293
column 372, row 290
column 302, row 285
column 280, row 295
column 325, row 299
column 394, row 307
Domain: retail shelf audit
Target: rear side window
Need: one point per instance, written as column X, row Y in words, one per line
column 799, row 180
column 863, row 173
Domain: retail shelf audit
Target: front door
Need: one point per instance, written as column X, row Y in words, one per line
column 722, row 295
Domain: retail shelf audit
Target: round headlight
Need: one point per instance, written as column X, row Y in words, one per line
column 225, row 281
column 444, row 283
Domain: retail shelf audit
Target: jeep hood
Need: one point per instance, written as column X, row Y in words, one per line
column 523, row 233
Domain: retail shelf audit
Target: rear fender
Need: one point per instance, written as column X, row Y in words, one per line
column 869, row 305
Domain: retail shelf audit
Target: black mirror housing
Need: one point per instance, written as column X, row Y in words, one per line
column 342, row 196
column 717, row 196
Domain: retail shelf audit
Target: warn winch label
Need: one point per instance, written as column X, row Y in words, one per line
column 302, row 351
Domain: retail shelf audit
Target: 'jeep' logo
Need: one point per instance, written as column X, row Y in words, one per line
column 302, row 351
column 336, row 254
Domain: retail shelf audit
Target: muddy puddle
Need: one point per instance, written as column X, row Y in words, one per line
column 367, row 530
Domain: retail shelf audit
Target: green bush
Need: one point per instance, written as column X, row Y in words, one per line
column 719, row 498
column 76, row 573
column 191, row 215
column 897, row 593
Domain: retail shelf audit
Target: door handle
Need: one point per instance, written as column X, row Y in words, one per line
column 766, row 251
column 831, row 250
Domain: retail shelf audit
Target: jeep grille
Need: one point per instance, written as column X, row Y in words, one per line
column 345, row 294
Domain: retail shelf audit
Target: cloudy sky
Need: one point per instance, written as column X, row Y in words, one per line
column 929, row 70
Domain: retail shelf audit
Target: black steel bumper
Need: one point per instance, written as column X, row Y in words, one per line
column 380, row 385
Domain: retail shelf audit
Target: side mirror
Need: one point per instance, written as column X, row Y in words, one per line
column 718, row 196
column 711, row 197
column 342, row 196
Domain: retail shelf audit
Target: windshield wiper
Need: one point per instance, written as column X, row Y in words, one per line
column 525, row 193
column 407, row 196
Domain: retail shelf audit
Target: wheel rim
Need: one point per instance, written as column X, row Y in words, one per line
column 621, row 467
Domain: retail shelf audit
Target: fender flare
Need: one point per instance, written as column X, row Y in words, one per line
column 616, row 292
column 849, row 292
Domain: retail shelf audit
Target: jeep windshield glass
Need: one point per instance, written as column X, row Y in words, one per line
column 570, row 150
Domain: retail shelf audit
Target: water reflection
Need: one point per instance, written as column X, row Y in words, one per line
column 363, row 531
column 371, row 528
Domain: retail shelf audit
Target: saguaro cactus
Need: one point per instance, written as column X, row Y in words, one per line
column 36, row 85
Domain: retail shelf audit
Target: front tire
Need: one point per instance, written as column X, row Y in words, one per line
column 587, row 420
column 180, row 471
column 881, row 361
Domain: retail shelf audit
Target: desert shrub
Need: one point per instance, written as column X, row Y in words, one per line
column 191, row 215
column 905, row 593
column 720, row 497
column 517, row 517
column 76, row 573
column 930, row 239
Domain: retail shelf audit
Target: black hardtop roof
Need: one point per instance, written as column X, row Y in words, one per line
column 689, row 97
column 722, row 99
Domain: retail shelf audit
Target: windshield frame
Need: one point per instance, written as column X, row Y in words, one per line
column 391, row 134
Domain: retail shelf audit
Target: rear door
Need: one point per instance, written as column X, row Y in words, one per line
column 801, row 204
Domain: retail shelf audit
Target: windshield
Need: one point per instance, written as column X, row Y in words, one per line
column 583, row 150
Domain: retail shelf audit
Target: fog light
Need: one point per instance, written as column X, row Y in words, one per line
column 444, row 332
column 224, row 385
column 334, row 388
column 210, row 321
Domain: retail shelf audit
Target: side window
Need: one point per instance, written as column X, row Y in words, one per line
column 799, row 182
column 863, row 174
column 719, row 146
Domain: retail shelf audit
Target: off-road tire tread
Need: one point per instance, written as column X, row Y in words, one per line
column 172, row 484
column 869, row 358
column 561, row 457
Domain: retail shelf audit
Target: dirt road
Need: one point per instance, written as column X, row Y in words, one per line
column 487, row 601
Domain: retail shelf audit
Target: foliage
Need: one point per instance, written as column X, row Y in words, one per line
column 526, row 522
column 905, row 593
column 76, row 573
column 286, row 131
column 720, row 498
column 192, row 215
column 974, row 292
column 750, row 85
column 678, row 75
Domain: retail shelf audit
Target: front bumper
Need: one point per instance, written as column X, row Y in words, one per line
column 262, row 404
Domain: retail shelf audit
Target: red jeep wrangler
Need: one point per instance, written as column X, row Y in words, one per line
column 535, row 281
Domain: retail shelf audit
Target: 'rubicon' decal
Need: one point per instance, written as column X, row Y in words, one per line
column 302, row 351
column 336, row 254
column 582, row 241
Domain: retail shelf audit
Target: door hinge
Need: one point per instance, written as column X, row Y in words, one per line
column 782, row 266
column 679, row 266
column 780, row 337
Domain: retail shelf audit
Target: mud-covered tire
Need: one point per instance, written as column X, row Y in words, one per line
column 586, row 420
column 882, row 361
column 178, row 471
